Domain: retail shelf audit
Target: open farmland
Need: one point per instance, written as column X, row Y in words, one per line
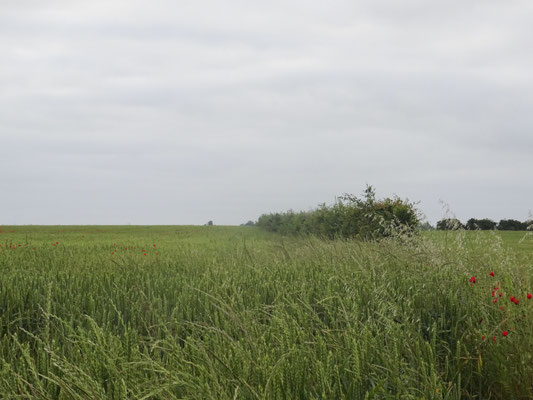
column 164, row 312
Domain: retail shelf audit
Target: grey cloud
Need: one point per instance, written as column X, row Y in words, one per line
column 166, row 112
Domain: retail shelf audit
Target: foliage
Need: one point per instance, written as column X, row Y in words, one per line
column 349, row 217
column 449, row 224
column 512, row 225
column 484, row 224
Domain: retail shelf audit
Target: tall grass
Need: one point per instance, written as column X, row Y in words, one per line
column 236, row 313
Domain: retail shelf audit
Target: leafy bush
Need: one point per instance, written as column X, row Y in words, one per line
column 450, row 224
column 447, row 224
column 484, row 224
column 348, row 217
column 512, row 225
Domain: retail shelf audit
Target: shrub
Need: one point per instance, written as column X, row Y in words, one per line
column 348, row 217
column 450, row 224
column 511, row 225
column 484, row 224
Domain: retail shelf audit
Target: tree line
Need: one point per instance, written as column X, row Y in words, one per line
column 485, row 224
column 350, row 216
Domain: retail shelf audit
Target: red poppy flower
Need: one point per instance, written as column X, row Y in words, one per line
column 491, row 273
column 529, row 295
column 505, row 333
column 144, row 253
column 512, row 299
column 495, row 300
column 472, row 280
column 501, row 308
column 154, row 245
column 500, row 295
column 494, row 338
column 515, row 301
column 483, row 338
column 493, row 293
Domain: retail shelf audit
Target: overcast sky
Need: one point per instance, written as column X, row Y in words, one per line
column 180, row 112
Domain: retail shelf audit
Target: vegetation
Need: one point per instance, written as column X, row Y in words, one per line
column 514, row 225
column 238, row 313
column 485, row 224
column 349, row 217
column 450, row 224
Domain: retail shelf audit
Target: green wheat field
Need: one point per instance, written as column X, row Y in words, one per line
column 167, row 312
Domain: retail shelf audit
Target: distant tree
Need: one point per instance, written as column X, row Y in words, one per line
column 511, row 225
column 209, row 223
column 471, row 224
column 484, row 224
column 249, row 223
column 449, row 224
column 426, row 226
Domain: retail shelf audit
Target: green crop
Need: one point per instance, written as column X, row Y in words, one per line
column 165, row 312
